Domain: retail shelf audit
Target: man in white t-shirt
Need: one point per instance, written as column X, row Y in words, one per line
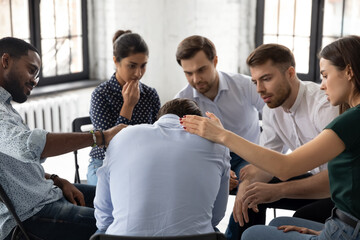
column 294, row 114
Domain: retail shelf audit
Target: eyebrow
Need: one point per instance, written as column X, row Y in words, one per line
column 263, row 76
column 202, row 67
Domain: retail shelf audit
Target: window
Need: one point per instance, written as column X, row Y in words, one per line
column 58, row 28
column 305, row 26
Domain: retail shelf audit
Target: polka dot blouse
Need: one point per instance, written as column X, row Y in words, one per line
column 106, row 103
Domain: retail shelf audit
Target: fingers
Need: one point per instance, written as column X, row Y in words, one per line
column 80, row 198
column 233, row 174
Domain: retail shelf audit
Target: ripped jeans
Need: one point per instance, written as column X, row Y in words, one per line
column 63, row 220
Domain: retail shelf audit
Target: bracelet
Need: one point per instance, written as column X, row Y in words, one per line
column 94, row 138
column 53, row 176
column 103, row 139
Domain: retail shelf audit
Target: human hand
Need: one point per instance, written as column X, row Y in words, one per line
column 258, row 192
column 111, row 132
column 209, row 128
column 240, row 211
column 131, row 93
column 233, row 180
column 71, row 193
column 303, row 230
column 254, row 174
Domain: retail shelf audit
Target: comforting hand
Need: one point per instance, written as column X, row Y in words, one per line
column 111, row 132
column 303, row 230
column 209, row 128
column 233, row 180
column 131, row 93
column 70, row 192
column 258, row 192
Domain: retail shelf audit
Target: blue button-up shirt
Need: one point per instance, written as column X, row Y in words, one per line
column 106, row 104
column 21, row 173
column 159, row 180
column 237, row 104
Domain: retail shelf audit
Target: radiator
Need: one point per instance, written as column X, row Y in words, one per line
column 54, row 114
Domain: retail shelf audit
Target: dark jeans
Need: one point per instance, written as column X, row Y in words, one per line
column 234, row 231
column 236, row 164
column 63, row 220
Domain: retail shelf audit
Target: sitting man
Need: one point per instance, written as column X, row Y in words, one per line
column 295, row 113
column 159, row 180
column 49, row 206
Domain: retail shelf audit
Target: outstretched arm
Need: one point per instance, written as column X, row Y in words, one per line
column 60, row 143
column 320, row 150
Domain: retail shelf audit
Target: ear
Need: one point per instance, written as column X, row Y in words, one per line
column 291, row 71
column 349, row 72
column 114, row 59
column 5, row 59
column 215, row 61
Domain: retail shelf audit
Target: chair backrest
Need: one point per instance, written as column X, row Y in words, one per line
column 206, row 236
column 76, row 127
column 6, row 200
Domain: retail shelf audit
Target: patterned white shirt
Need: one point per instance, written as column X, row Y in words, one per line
column 21, row 173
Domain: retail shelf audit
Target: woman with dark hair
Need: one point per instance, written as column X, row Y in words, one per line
column 123, row 98
column 338, row 144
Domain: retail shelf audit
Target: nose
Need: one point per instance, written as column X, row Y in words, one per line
column 35, row 81
column 323, row 84
column 138, row 72
column 196, row 78
column 260, row 87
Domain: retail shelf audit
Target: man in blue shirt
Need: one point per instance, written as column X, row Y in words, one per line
column 49, row 206
column 231, row 97
column 159, row 180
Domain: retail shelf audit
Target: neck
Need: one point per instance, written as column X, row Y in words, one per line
column 294, row 90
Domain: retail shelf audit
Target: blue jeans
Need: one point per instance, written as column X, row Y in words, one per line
column 234, row 231
column 63, row 220
column 334, row 228
column 94, row 165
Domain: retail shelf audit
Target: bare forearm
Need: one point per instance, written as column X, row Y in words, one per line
column 60, row 143
column 314, row 187
column 266, row 159
column 126, row 111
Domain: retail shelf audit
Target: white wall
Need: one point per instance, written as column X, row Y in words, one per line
column 163, row 24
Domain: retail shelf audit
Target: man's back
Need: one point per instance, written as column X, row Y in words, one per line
column 159, row 180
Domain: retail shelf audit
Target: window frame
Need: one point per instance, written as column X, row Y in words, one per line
column 35, row 39
column 317, row 16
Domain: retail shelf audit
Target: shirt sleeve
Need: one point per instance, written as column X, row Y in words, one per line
column 18, row 141
column 222, row 197
column 102, row 202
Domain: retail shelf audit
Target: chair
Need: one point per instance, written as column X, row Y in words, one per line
column 206, row 236
column 76, row 127
column 19, row 230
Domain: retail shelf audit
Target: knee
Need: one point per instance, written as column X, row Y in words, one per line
column 279, row 221
column 253, row 233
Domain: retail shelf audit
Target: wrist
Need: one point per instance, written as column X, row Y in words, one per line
column 56, row 179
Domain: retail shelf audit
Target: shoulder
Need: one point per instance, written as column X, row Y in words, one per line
column 237, row 78
column 102, row 88
column 148, row 90
column 186, row 92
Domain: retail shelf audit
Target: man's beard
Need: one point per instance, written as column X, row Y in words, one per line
column 15, row 89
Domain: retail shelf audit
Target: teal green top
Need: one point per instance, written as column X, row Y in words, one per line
column 344, row 170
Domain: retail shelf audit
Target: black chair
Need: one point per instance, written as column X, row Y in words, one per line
column 206, row 236
column 76, row 127
column 19, row 231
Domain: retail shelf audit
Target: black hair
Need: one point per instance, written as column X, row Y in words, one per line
column 126, row 43
column 180, row 107
column 15, row 47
